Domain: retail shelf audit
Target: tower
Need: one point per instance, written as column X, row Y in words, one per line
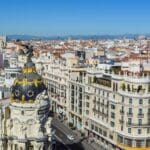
column 26, row 122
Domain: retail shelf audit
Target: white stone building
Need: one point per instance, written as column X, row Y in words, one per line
column 25, row 124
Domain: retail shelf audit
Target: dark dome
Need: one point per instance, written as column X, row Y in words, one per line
column 29, row 64
column 27, row 85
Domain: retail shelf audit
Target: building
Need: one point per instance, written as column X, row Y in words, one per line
column 3, row 40
column 12, row 70
column 25, row 123
column 109, row 104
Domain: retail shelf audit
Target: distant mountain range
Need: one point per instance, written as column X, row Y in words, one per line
column 85, row 37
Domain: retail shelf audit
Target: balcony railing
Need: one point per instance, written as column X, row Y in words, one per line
column 137, row 124
column 121, row 112
column 140, row 115
column 130, row 114
column 121, row 121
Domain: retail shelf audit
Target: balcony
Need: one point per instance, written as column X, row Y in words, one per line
column 106, row 106
column 121, row 121
column 121, row 112
column 94, row 109
column 137, row 125
column 98, row 102
column 102, row 104
column 131, row 77
column 134, row 94
column 140, row 115
column 94, row 101
column 130, row 114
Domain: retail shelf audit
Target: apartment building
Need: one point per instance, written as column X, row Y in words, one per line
column 112, row 106
column 117, row 108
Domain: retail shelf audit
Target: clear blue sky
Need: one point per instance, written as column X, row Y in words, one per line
column 73, row 17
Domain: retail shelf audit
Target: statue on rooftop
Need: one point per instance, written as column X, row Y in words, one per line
column 28, row 51
column 25, row 49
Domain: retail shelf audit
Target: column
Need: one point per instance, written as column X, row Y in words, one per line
column 123, row 140
column 144, row 144
column 9, row 146
column 13, row 146
column 1, row 145
column 38, row 146
column 22, row 146
column 133, row 143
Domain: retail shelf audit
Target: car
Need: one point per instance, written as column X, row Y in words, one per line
column 70, row 137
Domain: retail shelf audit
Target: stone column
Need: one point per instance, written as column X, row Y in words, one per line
column 144, row 144
column 9, row 146
column 133, row 143
column 13, row 146
column 38, row 146
column 23, row 146
column 1, row 145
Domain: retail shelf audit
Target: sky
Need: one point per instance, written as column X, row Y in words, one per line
column 74, row 17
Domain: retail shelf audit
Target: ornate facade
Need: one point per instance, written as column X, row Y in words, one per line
column 26, row 122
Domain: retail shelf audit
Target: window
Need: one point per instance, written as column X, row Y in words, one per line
column 104, row 133
column 103, row 101
column 112, row 106
column 149, row 101
column 80, row 95
column 107, row 94
column 87, row 104
column 129, row 130
column 103, row 93
column 129, row 121
column 148, row 121
column 130, row 110
column 114, row 96
column 111, row 136
column 72, row 86
column 122, row 99
column 96, row 128
column 22, row 112
column 140, row 111
column 140, row 101
column 130, row 101
column 92, row 126
column 148, row 130
column 112, row 115
column 87, row 97
column 121, row 128
column 100, row 130
column 87, row 112
column 140, row 121
column 99, row 91
column 112, row 124
column 80, row 89
column 139, row 131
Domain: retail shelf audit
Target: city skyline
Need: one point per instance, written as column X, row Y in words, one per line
column 53, row 18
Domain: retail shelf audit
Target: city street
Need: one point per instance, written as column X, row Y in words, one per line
column 61, row 132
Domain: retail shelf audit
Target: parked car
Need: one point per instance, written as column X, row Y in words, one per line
column 70, row 137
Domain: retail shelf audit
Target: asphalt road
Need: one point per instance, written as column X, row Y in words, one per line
column 61, row 132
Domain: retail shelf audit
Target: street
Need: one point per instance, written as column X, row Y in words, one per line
column 61, row 132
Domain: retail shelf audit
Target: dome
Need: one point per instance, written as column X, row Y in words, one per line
column 27, row 85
